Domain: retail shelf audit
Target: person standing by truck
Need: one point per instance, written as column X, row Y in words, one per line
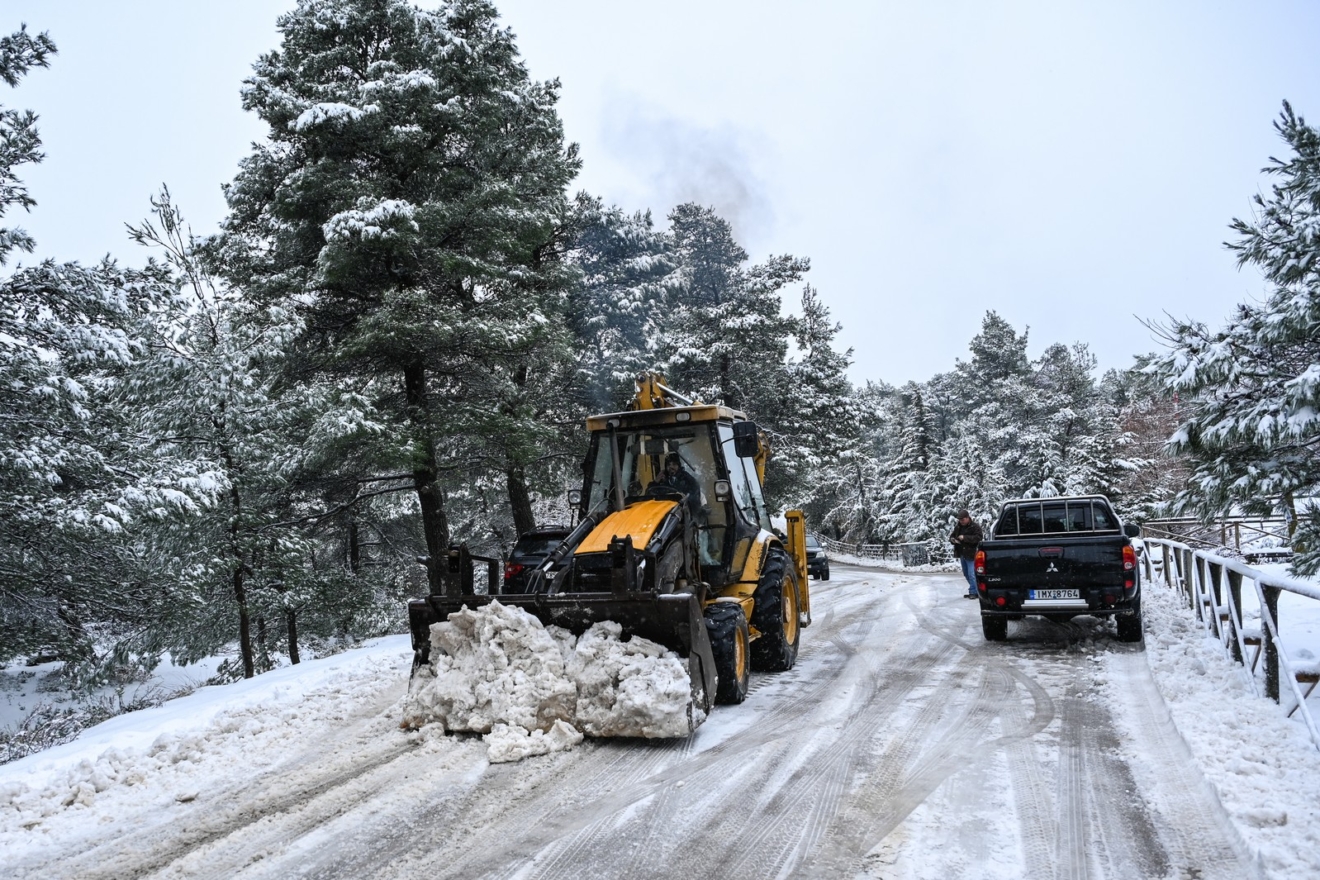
column 966, row 537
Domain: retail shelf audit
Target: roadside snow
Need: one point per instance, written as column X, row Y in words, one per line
column 497, row 670
column 1261, row 765
column 171, row 753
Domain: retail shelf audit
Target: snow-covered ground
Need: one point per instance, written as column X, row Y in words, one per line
column 887, row 753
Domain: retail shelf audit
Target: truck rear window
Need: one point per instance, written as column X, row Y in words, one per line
column 1055, row 517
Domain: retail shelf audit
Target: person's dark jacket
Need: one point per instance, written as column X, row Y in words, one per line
column 685, row 483
column 966, row 538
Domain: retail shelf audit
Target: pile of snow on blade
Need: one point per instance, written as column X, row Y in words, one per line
column 633, row 688
column 532, row 689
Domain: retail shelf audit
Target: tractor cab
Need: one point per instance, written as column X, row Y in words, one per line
column 716, row 447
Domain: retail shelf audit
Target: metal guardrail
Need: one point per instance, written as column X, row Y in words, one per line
column 1212, row 587
column 862, row 551
column 1240, row 534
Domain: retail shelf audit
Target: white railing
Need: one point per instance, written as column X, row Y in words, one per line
column 1250, row 632
column 908, row 554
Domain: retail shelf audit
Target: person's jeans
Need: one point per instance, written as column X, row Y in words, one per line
column 969, row 572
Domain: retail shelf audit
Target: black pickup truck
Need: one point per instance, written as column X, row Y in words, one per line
column 1058, row 558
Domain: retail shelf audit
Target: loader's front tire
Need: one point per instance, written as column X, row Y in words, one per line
column 775, row 615
column 730, row 642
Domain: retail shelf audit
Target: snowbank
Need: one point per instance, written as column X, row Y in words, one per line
column 499, row 671
column 1261, row 764
column 194, row 745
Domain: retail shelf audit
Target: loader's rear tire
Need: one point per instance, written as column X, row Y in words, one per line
column 994, row 628
column 730, row 641
column 775, row 615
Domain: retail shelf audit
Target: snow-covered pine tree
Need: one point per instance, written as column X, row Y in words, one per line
column 209, row 392
column 1251, row 427
column 845, row 491
column 74, row 475
column 820, row 418
column 20, row 143
column 725, row 337
column 407, row 203
column 621, row 305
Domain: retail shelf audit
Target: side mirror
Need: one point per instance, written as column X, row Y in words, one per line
column 722, row 490
column 1132, row 530
column 746, row 439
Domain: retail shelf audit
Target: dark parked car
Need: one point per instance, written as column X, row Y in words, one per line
column 818, row 564
column 530, row 551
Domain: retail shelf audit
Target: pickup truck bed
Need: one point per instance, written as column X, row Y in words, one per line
column 1076, row 570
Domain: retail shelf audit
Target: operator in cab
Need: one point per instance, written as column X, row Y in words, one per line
column 675, row 477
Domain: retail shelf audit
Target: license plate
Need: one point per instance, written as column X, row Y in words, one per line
column 1054, row 594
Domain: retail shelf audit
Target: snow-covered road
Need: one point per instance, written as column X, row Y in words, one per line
column 902, row 745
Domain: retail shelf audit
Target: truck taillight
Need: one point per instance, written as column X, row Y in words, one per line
column 1129, row 558
column 980, row 562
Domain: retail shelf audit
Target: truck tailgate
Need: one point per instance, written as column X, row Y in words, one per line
column 1050, row 562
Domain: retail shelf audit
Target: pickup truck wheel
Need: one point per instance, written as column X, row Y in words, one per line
column 730, row 641
column 775, row 615
column 1129, row 625
column 995, row 628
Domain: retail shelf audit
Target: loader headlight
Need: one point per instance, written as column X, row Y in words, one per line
column 722, row 490
column 575, row 497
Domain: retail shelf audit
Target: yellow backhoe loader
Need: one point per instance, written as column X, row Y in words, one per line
column 674, row 543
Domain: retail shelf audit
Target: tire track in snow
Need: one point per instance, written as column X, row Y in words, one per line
column 778, row 728
column 1190, row 821
column 907, row 774
column 1070, row 846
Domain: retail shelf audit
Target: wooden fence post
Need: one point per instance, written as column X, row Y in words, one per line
column 1271, row 650
column 1189, row 579
column 1235, row 613
column 1215, row 570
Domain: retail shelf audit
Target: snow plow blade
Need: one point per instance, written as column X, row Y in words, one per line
column 673, row 620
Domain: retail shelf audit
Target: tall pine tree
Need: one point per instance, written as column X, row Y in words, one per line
column 407, row 202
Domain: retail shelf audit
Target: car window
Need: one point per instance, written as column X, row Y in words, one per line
column 1104, row 519
column 1053, row 515
column 1029, row 522
column 813, row 543
column 536, row 545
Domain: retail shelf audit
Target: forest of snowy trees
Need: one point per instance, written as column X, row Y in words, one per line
column 392, row 342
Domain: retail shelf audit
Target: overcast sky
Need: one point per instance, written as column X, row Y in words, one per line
column 1073, row 166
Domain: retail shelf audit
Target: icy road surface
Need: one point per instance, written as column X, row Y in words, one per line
column 901, row 746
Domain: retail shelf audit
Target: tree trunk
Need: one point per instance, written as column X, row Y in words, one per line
column 354, row 547
column 244, row 624
column 240, row 586
column 291, row 618
column 520, row 499
column 435, row 525
column 263, row 650
column 524, row 520
column 726, row 367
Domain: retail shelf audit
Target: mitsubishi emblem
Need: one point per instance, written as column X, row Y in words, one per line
column 1051, row 569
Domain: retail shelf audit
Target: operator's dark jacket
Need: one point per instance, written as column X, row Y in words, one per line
column 966, row 549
